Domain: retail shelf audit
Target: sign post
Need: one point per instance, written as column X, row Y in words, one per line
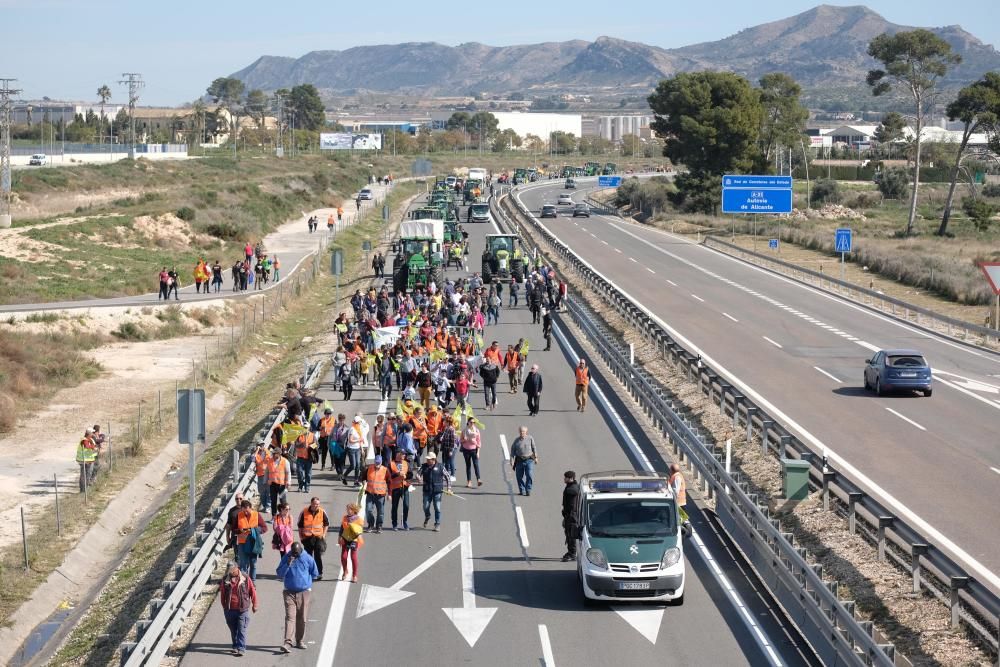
column 191, row 429
column 843, row 242
column 992, row 272
column 337, row 269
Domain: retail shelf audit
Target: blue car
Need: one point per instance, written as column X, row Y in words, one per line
column 891, row 370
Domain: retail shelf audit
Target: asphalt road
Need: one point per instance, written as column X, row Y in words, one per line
column 395, row 614
column 800, row 354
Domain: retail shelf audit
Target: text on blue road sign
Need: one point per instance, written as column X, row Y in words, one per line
column 609, row 181
column 753, row 200
column 756, row 181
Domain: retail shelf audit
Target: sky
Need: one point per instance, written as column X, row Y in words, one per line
column 66, row 49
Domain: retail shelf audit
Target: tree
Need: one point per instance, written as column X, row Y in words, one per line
column 458, row 121
column 893, row 183
column 485, row 124
column 228, row 94
column 980, row 212
column 563, row 143
column 307, row 107
column 506, row 140
column 256, row 105
column 710, row 122
column 977, row 106
column 631, row 145
column 784, row 116
column 913, row 61
column 534, row 143
column 105, row 94
column 890, row 129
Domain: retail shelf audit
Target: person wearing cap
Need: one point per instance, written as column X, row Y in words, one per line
column 570, row 513
column 376, row 489
column 582, row 374
column 399, row 487
column 238, row 596
column 436, row 482
column 86, row 456
column 533, row 388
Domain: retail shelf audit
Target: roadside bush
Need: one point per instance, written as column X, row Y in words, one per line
column 981, row 212
column 826, row 191
column 321, row 180
column 991, row 190
column 186, row 213
column 864, row 200
column 130, row 331
column 893, row 183
column 225, row 230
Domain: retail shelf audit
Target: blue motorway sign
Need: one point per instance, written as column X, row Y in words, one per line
column 772, row 244
column 842, row 241
column 609, row 181
column 750, row 193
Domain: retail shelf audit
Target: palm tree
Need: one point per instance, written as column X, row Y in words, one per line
column 105, row 94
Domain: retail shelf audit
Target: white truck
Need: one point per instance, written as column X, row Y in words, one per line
column 477, row 173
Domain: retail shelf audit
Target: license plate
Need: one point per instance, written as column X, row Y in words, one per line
column 633, row 585
column 907, row 375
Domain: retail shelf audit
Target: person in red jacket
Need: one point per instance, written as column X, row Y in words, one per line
column 238, row 596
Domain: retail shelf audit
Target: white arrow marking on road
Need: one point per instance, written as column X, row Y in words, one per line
column 374, row 598
column 974, row 385
column 646, row 620
column 469, row 620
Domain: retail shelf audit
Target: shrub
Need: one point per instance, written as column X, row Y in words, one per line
column 130, row 331
column 826, row 191
column 225, row 230
column 893, row 183
column 981, row 212
column 991, row 190
column 865, row 200
column 186, row 213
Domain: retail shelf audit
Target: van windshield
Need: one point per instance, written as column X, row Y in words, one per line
column 630, row 517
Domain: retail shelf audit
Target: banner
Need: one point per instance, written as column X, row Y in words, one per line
column 346, row 141
column 385, row 336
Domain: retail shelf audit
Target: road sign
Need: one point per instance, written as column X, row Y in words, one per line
column 843, row 240
column 609, row 181
column 992, row 272
column 190, row 416
column 772, row 244
column 366, row 245
column 756, row 194
column 337, row 262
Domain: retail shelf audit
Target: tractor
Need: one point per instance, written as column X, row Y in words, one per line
column 419, row 258
column 503, row 258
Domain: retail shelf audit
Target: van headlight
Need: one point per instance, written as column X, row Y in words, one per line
column 670, row 557
column 596, row 558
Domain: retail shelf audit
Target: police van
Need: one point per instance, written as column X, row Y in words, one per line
column 629, row 540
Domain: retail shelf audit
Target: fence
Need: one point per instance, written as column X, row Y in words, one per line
column 972, row 604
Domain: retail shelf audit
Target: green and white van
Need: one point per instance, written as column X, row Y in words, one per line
column 629, row 541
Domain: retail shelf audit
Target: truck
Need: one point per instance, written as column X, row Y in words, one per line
column 418, row 255
column 629, row 538
column 478, row 174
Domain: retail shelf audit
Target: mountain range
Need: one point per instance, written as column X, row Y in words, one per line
column 825, row 47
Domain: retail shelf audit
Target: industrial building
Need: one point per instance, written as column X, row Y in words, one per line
column 613, row 128
column 524, row 123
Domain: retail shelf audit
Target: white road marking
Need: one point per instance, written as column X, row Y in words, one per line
column 995, row 470
column 777, row 345
column 645, row 620
column 906, row 419
column 592, row 234
column 859, row 477
column 671, row 282
column 470, row 621
column 334, row 621
column 618, row 250
column 522, row 528
column 651, row 270
column 828, row 375
column 583, row 228
column 605, row 243
column 968, row 383
column 503, row 447
column 632, row 259
column 547, row 658
column 868, row 346
column 964, row 391
column 373, row 598
column 731, row 317
column 698, row 297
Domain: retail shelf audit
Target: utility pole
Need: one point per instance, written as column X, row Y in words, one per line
column 5, row 182
column 280, row 149
column 134, row 82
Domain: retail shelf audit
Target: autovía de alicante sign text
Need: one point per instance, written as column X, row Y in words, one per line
column 756, row 194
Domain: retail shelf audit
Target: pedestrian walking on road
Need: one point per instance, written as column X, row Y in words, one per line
column 340, row 213
column 570, row 513
column 376, row 490
column 547, row 328
column 448, row 442
column 249, row 546
column 582, row 383
column 238, row 596
column 216, row 277
column 533, row 388
column 512, row 363
column 490, row 373
column 173, row 284
column 260, row 464
column 355, row 442
column 399, row 487
column 313, row 524
column 164, row 284
column 279, row 473
column 436, row 483
column 524, row 456
column 231, row 522
column 679, row 486
column 282, row 525
column 297, row 570
column 350, row 540
column 472, row 442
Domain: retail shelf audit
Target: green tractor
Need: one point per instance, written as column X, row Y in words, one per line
column 452, row 231
column 425, row 213
column 419, row 258
column 472, row 189
column 592, row 168
column 610, row 169
column 503, row 258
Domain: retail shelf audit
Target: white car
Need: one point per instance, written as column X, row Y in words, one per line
column 565, row 200
column 366, row 194
column 38, row 160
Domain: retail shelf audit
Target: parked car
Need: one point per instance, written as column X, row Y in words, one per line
column 366, row 194
column 890, row 370
column 39, row 160
column 548, row 211
column 570, row 184
column 581, row 210
column 565, row 200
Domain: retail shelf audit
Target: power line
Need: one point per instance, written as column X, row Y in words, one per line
column 5, row 181
column 134, row 82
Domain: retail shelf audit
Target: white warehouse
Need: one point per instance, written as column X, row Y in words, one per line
column 524, row 123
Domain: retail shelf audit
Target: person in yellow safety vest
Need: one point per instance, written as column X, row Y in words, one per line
column 86, row 456
column 679, row 486
column 399, row 487
column 376, row 489
column 502, row 255
column 313, row 524
column 517, row 253
column 305, row 446
column 246, row 521
column 456, row 254
column 261, row 465
column 279, row 473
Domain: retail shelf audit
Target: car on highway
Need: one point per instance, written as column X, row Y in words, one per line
column 891, row 370
column 570, row 184
column 38, row 160
column 581, row 210
column 630, row 544
column 450, row 181
column 366, row 194
column 565, row 200
column 479, row 212
column 549, row 211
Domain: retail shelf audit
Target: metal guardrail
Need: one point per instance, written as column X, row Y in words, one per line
column 922, row 318
column 155, row 634
column 972, row 604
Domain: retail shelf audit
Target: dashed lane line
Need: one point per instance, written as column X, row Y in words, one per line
column 777, row 345
column 835, row 379
column 731, row 317
column 698, row 297
column 906, row 419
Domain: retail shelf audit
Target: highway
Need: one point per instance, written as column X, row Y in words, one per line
column 800, row 353
column 495, row 566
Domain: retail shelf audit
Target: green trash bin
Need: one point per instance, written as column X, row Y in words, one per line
column 795, row 478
